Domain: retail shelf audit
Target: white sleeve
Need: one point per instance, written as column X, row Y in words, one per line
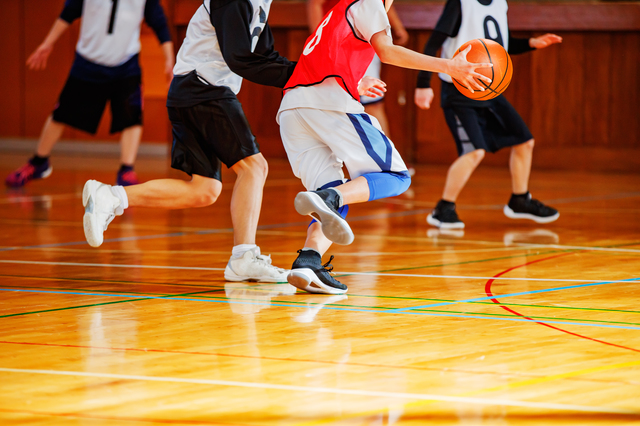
column 369, row 17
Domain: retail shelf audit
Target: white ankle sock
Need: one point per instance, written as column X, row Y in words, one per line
column 119, row 192
column 238, row 251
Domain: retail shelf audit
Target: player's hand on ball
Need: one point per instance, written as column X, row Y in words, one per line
column 544, row 41
column 38, row 59
column 423, row 97
column 372, row 87
column 465, row 71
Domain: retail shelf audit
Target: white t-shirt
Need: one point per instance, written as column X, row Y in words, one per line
column 368, row 17
column 116, row 47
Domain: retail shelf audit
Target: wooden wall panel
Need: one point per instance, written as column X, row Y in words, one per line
column 12, row 81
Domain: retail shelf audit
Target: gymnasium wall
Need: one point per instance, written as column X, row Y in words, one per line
column 581, row 99
column 30, row 96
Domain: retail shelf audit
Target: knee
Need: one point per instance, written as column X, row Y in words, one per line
column 526, row 146
column 478, row 155
column 255, row 166
column 206, row 193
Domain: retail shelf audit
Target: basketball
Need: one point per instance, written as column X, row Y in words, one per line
column 482, row 51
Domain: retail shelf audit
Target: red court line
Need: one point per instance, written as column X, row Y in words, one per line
column 120, row 418
column 487, row 290
column 312, row 361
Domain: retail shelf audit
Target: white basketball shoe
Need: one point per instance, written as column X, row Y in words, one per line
column 99, row 210
column 253, row 266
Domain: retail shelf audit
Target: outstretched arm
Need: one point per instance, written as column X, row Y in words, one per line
column 544, row 41
column 458, row 67
column 38, row 59
column 251, row 57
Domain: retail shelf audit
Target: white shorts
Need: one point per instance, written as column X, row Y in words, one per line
column 318, row 142
column 373, row 71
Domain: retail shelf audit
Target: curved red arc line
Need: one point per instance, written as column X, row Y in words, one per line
column 487, row 290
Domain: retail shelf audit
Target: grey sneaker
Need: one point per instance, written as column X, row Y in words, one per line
column 323, row 206
column 253, row 266
column 99, row 210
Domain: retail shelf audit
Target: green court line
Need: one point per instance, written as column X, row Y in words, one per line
column 110, row 281
column 98, row 304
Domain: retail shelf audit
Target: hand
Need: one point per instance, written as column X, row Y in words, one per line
column 544, row 41
column 423, row 97
column 401, row 36
column 38, row 59
column 372, row 87
column 464, row 71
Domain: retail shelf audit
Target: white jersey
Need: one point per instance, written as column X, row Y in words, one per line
column 200, row 50
column 478, row 21
column 110, row 31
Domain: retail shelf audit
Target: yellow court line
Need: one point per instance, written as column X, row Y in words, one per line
column 508, row 386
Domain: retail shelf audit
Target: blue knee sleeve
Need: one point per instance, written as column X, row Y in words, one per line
column 387, row 184
column 342, row 210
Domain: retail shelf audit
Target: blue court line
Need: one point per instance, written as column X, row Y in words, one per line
column 502, row 296
column 336, row 308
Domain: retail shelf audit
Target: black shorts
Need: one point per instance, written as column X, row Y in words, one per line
column 492, row 127
column 211, row 132
column 82, row 103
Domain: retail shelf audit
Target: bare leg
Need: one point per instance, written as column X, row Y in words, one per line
column 129, row 143
column 246, row 200
column 459, row 173
column 316, row 239
column 378, row 111
column 520, row 166
column 175, row 193
column 51, row 133
column 354, row 191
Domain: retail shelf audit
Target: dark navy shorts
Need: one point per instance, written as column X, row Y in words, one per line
column 82, row 103
column 489, row 125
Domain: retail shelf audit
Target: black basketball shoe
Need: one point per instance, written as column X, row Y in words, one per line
column 309, row 274
column 525, row 207
column 444, row 216
column 323, row 206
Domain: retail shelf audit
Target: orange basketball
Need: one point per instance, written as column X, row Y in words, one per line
column 484, row 51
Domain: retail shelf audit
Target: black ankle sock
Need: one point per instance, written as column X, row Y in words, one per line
column 125, row 168
column 36, row 160
column 446, row 204
column 520, row 196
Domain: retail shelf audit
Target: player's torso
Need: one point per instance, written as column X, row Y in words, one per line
column 110, row 30
column 200, row 50
column 334, row 50
column 480, row 19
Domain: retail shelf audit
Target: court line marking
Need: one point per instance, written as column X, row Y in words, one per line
column 508, row 386
column 290, row 305
column 477, row 299
column 339, row 391
column 308, row 361
column 264, row 287
column 494, row 299
column 202, row 268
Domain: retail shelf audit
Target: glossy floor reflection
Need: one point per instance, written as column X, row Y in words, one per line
column 502, row 323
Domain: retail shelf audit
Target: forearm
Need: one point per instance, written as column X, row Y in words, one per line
column 394, row 20
column 167, row 50
column 405, row 58
column 58, row 28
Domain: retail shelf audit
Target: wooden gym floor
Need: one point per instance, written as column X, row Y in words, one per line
column 506, row 323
